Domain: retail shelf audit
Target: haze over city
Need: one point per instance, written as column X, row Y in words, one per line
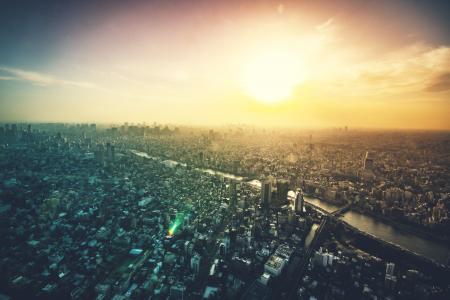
column 362, row 64
column 208, row 150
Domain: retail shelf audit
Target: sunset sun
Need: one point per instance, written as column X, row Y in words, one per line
column 271, row 76
column 225, row 149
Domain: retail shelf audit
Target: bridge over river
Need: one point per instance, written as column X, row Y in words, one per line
column 433, row 250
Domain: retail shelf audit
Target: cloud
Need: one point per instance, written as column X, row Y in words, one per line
column 40, row 79
column 7, row 78
column 326, row 33
column 327, row 27
column 439, row 84
column 411, row 69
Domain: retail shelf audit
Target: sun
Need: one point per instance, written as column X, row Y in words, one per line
column 271, row 76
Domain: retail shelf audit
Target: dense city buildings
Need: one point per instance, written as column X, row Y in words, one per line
column 133, row 211
column 249, row 150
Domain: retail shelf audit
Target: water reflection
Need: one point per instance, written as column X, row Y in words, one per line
column 422, row 246
column 393, row 235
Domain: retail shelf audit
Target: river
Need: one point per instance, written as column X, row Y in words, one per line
column 172, row 163
column 422, row 246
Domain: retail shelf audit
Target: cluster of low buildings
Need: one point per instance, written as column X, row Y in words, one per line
column 344, row 273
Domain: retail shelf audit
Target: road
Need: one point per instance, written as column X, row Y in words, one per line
column 294, row 282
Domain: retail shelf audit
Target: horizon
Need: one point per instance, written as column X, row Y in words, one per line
column 227, row 126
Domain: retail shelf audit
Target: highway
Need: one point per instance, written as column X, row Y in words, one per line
column 294, row 282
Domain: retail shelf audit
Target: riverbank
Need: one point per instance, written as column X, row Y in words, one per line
column 408, row 228
column 380, row 248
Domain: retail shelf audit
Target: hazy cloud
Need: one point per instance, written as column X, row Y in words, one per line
column 327, row 27
column 40, row 79
column 414, row 68
column 439, row 84
column 7, row 78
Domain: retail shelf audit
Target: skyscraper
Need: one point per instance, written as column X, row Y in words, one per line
column 233, row 195
column 368, row 160
column 299, row 202
column 195, row 263
column 110, row 152
column 266, row 194
column 113, row 154
column 282, row 191
column 99, row 154
column 390, row 268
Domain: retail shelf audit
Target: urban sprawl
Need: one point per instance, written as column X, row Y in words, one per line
column 135, row 211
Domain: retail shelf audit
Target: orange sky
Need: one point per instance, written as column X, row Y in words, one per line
column 266, row 63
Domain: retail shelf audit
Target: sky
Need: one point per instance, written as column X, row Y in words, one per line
column 361, row 64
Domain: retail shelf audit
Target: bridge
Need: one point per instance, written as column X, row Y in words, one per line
column 342, row 210
column 335, row 213
column 293, row 284
column 318, row 208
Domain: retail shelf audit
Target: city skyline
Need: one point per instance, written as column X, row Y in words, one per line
column 266, row 63
column 239, row 149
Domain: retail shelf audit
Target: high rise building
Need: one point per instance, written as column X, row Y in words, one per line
column 299, row 202
column 195, row 263
column 99, row 153
column 233, row 195
column 266, row 194
column 110, row 152
column 390, row 269
column 14, row 129
column 368, row 160
column 177, row 291
column 113, row 154
column 323, row 259
column 282, row 191
column 390, row 281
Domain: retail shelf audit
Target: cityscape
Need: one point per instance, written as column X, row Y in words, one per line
column 225, row 150
column 139, row 211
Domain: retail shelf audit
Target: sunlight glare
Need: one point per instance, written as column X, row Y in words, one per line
column 271, row 76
